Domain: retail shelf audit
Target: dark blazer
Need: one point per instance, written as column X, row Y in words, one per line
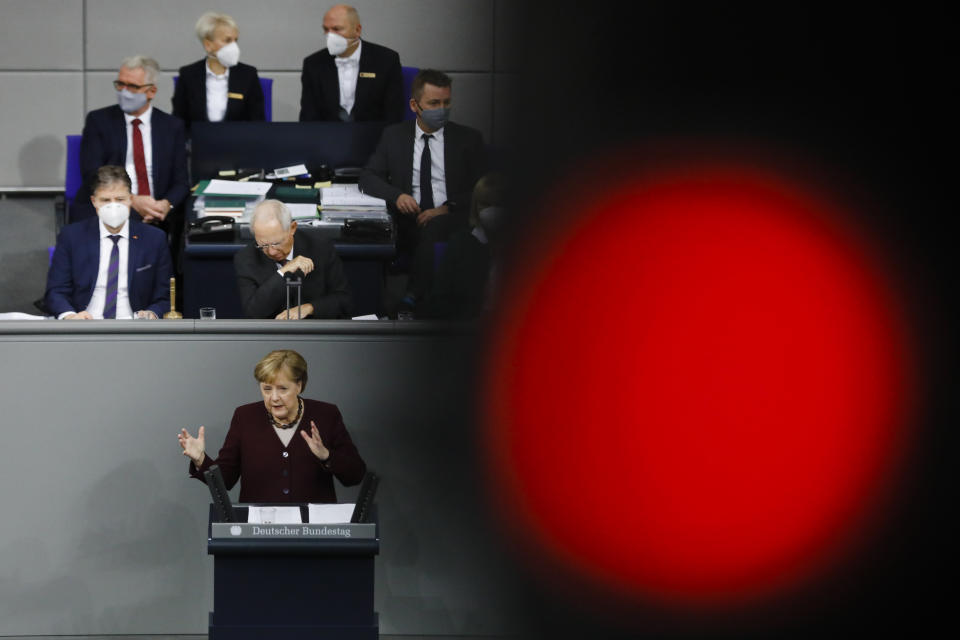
column 378, row 98
column 190, row 95
column 274, row 473
column 263, row 293
column 105, row 142
column 389, row 171
column 76, row 262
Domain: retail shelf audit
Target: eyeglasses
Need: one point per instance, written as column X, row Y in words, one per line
column 120, row 86
column 271, row 245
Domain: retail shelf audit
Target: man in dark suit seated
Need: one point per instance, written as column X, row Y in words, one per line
column 149, row 143
column 281, row 251
column 426, row 171
column 111, row 265
column 218, row 88
column 350, row 80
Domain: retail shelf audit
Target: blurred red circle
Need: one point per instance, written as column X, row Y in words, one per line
column 698, row 390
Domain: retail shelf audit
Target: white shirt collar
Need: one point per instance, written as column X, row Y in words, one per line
column 353, row 58
column 210, row 73
column 437, row 135
column 123, row 233
column 144, row 117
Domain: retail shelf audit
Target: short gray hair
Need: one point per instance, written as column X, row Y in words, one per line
column 272, row 210
column 209, row 22
column 149, row 65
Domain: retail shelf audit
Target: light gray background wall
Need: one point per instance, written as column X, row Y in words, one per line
column 102, row 532
column 57, row 58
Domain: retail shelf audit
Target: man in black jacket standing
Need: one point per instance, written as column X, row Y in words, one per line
column 350, row 80
column 279, row 251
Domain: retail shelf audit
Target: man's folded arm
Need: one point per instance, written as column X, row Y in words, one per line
column 160, row 300
column 259, row 298
column 59, row 280
column 374, row 179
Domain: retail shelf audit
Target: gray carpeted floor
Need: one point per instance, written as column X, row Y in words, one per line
column 27, row 230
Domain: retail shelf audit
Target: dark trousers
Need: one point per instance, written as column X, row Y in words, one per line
column 416, row 244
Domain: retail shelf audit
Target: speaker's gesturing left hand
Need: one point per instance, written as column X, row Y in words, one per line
column 315, row 443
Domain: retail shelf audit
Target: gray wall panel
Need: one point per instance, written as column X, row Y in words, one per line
column 471, row 101
column 281, row 34
column 452, row 35
column 506, row 92
column 286, row 96
column 103, row 532
column 41, row 34
column 39, row 109
column 509, row 22
column 458, row 36
column 272, row 36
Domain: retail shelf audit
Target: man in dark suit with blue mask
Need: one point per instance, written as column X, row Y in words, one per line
column 149, row 143
column 109, row 266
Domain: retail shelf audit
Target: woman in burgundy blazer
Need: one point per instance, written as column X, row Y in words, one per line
column 302, row 470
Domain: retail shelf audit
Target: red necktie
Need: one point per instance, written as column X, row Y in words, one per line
column 139, row 162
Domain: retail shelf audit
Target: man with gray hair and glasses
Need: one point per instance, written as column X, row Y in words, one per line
column 280, row 251
column 149, row 143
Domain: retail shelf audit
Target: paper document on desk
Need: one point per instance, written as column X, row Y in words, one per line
column 339, row 196
column 281, row 515
column 330, row 513
column 233, row 188
column 342, row 215
column 303, row 210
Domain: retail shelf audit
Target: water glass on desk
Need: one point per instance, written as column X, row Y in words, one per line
column 208, row 313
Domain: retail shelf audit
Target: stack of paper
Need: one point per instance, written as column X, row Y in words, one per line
column 348, row 197
column 340, row 202
column 228, row 198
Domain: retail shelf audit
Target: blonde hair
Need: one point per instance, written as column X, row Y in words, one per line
column 209, row 22
column 268, row 368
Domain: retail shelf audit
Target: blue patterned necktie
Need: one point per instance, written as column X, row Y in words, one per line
column 113, row 276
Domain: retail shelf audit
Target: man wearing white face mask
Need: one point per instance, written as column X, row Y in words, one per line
column 111, row 266
column 351, row 80
column 219, row 87
column 134, row 134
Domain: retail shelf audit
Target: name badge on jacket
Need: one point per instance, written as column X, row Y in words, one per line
column 367, row 74
column 235, row 96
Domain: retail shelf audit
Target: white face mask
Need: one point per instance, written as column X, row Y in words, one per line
column 490, row 217
column 229, row 54
column 114, row 214
column 336, row 43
